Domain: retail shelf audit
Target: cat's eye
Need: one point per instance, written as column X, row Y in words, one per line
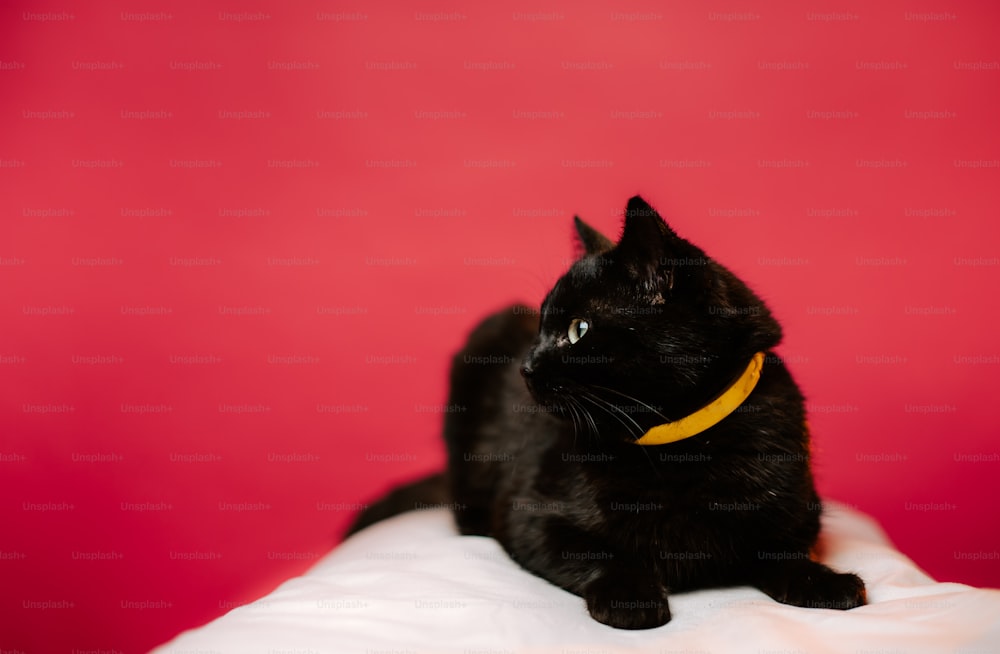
column 577, row 329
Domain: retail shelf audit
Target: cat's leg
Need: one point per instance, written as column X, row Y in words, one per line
column 800, row 581
column 627, row 597
column 619, row 591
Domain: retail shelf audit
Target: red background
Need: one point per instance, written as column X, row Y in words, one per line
column 240, row 241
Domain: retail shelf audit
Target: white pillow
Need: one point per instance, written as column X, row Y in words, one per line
column 412, row 584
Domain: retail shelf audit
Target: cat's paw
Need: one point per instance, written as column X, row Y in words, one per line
column 815, row 586
column 627, row 603
column 840, row 591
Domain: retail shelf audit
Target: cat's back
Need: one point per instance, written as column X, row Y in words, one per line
column 505, row 334
column 486, row 388
column 493, row 351
column 489, row 412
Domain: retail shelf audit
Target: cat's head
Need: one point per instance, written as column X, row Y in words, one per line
column 642, row 331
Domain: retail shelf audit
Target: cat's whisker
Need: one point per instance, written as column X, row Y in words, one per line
column 618, row 410
column 580, row 422
column 586, row 418
column 576, row 420
column 614, row 412
column 633, row 399
column 652, row 464
column 590, row 419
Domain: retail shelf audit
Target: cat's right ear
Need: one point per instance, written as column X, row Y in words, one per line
column 589, row 240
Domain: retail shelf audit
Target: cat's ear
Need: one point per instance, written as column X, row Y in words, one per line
column 589, row 240
column 647, row 242
column 657, row 256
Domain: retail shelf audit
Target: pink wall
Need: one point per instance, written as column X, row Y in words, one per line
column 237, row 249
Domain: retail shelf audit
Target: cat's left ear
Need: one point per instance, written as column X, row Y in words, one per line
column 647, row 245
column 589, row 240
column 651, row 250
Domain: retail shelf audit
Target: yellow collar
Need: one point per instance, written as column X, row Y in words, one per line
column 712, row 413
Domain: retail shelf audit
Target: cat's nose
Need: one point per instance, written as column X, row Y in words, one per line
column 526, row 369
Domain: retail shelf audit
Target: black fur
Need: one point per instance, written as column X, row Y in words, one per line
column 543, row 458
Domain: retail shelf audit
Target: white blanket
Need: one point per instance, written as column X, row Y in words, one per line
column 411, row 585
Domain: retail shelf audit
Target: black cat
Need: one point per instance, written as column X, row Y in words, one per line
column 636, row 437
